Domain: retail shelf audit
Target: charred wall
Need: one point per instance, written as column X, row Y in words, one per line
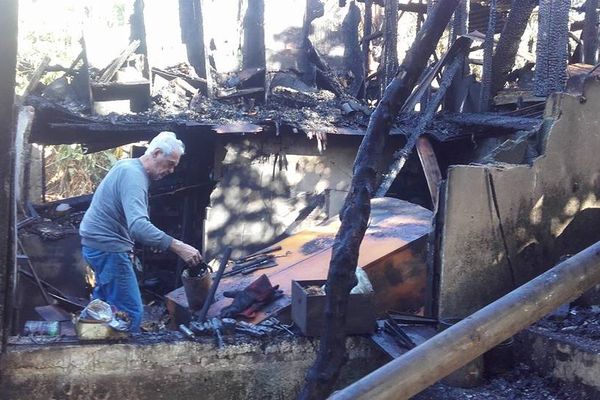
column 504, row 224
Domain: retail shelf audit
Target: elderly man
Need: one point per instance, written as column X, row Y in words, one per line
column 118, row 217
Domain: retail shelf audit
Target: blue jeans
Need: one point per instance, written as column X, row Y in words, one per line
column 116, row 283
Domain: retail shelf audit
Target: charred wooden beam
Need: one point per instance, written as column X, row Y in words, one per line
column 420, row 8
column 390, row 45
column 552, row 52
column 367, row 30
column 37, row 75
column 590, row 33
column 192, row 35
column 492, row 120
column 355, row 213
column 508, row 44
column 353, row 57
column 323, row 71
column 253, row 51
column 488, row 52
column 138, row 32
column 113, row 67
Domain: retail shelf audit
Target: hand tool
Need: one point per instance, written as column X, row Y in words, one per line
column 251, row 269
column 266, row 250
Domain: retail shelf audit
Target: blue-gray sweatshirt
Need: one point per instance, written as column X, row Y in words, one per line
column 118, row 214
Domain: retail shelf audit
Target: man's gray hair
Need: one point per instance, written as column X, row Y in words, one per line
column 167, row 142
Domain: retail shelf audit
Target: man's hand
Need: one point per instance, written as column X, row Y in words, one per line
column 188, row 253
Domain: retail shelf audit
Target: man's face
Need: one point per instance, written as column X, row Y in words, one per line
column 163, row 165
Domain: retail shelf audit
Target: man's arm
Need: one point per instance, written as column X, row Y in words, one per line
column 135, row 206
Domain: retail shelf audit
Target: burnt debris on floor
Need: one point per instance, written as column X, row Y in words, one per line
column 369, row 167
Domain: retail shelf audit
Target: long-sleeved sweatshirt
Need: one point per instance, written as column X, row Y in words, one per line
column 118, row 214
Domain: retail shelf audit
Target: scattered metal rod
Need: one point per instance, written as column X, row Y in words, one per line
column 399, row 334
column 411, row 319
column 266, row 250
column 186, row 331
column 213, row 289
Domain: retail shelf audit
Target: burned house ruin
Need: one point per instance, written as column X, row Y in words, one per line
column 439, row 155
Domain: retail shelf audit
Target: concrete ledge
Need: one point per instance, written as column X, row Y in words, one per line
column 173, row 369
column 564, row 357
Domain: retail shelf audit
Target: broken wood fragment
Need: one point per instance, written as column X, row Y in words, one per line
column 431, row 168
column 37, row 75
column 324, row 72
column 114, row 66
column 198, row 83
column 232, row 94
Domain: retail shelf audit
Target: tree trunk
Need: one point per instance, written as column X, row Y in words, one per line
column 590, row 33
column 8, row 62
column 355, row 213
column 508, row 44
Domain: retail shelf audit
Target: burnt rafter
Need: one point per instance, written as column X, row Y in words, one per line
column 508, row 44
column 355, row 213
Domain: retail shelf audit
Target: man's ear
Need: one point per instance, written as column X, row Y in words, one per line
column 156, row 152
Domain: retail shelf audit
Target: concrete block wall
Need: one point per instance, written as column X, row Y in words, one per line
column 171, row 369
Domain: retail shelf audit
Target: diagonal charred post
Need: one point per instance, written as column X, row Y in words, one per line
column 590, row 33
column 322, row 376
column 488, row 52
column 508, row 44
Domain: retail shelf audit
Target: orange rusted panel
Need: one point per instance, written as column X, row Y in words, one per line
column 392, row 254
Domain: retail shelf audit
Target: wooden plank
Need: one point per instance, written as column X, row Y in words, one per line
column 431, row 168
column 114, row 66
column 37, row 75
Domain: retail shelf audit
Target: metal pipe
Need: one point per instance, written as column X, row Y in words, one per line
column 211, row 294
column 419, row 368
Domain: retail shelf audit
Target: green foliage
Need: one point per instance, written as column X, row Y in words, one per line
column 70, row 172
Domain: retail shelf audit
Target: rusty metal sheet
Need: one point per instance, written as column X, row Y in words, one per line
column 392, row 254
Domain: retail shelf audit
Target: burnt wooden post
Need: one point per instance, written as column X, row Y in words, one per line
column 192, row 34
column 390, row 44
column 552, row 52
column 366, row 44
column 460, row 26
column 253, row 52
column 353, row 58
column 590, row 33
column 508, row 44
column 355, row 213
column 488, row 52
column 138, row 32
column 8, row 62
